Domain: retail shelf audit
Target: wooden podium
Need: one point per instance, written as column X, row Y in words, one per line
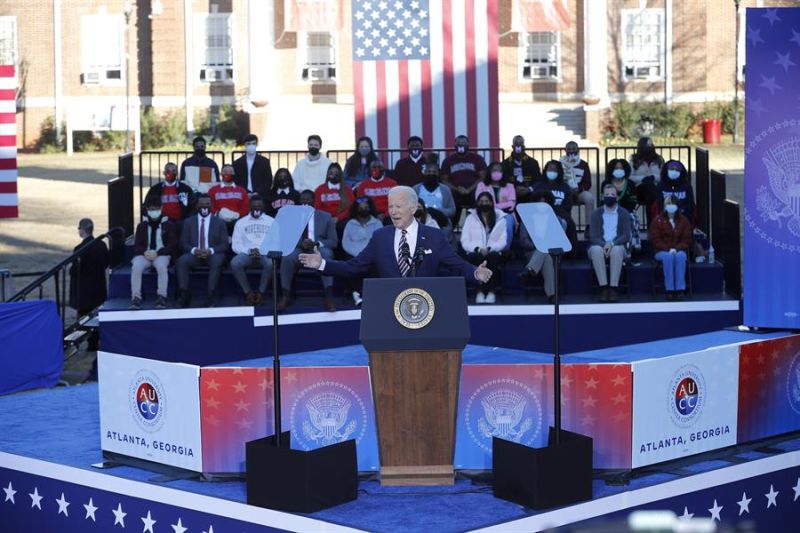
column 415, row 330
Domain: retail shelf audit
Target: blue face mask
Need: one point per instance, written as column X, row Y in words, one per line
column 671, row 209
column 673, row 174
column 618, row 173
column 551, row 175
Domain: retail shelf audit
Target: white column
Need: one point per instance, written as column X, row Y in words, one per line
column 188, row 36
column 261, row 50
column 595, row 69
column 668, row 51
column 58, row 76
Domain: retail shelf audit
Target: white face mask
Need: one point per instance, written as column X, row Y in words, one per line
column 551, row 175
column 671, row 209
column 673, row 174
column 155, row 214
column 618, row 173
column 250, row 149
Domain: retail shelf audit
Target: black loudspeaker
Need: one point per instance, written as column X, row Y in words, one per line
column 541, row 478
column 300, row 481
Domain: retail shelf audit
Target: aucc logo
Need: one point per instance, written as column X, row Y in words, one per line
column 687, row 396
column 147, row 400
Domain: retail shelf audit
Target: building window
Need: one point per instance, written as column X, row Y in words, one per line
column 643, row 44
column 8, row 41
column 214, row 47
column 320, row 58
column 102, row 49
column 540, row 55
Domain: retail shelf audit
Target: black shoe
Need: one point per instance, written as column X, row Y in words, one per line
column 161, row 302
column 184, row 299
column 136, row 304
column 612, row 294
column 211, row 300
column 329, row 305
column 604, row 293
column 551, row 299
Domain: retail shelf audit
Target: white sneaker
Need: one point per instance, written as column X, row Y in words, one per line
column 490, row 298
column 357, row 299
column 480, row 298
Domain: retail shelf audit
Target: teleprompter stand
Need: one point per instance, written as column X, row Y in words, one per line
column 561, row 473
column 279, row 477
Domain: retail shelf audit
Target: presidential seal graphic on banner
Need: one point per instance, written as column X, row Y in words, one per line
column 148, row 403
column 503, row 408
column 793, row 383
column 778, row 202
column 414, row 308
column 327, row 412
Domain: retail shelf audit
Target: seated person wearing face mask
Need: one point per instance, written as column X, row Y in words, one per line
column 501, row 189
column 357, row 233
column 408, row 170
column 155, row 244
column 282, row 192
column 675, row 183
column 579, row 178
column 618, row 172
column 252, row 171
column 554, row 183
column 174, row 197
column 484, row 238
column 204, row 241
column 437, row 196
column 521, row 169
column 229, row 201
column 248, row 234
column 199, row 171
column 377, row 187
column 609, row 233
column 309, row 172
column 357, row 166
column 671, row 236
column 462, row 170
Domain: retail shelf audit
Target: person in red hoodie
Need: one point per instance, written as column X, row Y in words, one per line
column 377, row 187
column 175, row 196
column 334, row 196
column 671, row 237
column 229, row 201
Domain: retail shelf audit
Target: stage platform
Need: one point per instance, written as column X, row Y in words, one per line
column 51, row 438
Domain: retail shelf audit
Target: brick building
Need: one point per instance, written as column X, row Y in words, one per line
column 187, row 55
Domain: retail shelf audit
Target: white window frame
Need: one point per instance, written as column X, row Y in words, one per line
column 104, row 75
column 741, row 45
column 523, row 40
column 207, row 73
column 14, row 48
column 315, row 70
column 638, row 63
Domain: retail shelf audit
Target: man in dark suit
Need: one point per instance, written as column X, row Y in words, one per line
column 204, row 241
column 403, row 249
column 320, row 234
column 87, row 275
column 252, row 171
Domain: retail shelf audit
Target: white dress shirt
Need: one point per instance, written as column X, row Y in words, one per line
column 411, row 237
column 250, row 159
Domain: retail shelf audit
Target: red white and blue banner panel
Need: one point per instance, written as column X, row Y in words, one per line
column 9, row 201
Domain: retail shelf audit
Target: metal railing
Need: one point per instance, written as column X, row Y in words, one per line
column 277, row 158
column 390, row 156
column 59, row 275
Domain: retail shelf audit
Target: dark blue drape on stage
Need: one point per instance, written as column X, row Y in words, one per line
column 31, row 346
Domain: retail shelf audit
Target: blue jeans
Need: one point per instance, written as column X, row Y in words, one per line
column 674, row 270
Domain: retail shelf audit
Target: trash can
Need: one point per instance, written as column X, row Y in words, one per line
column 712, row 128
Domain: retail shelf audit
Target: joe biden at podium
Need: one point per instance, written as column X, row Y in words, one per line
column 404, row 249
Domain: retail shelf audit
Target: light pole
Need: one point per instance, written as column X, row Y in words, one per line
column 736, row 80
column 128, row 9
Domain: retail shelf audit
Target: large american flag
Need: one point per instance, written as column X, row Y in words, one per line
column 8, row 143
column 425, row 68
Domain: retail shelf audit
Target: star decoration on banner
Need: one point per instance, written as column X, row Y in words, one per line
column 618, row 381
column 619, row 398
column 148, row 523
column 242, row 405
column 796, row 490
column 119, row 515
column 10, row 493
column 715, row 511
column 90, row 510
column 36, row 500
column 62, row 505
column 178, row 528
column 754, row 36
column 785, row 61
column 769, row 84
column 265, row 384
column 210, row 529
column 213, row 403
column 795, row 37
column 408, row 33
column 589, row 401
column 566, row 381
column 213, row 385
column 240, row 388
column 686, row 514
column 772, row 497
column 772, row 16
column 744, row 504
column 291, row 377
column 591, row 383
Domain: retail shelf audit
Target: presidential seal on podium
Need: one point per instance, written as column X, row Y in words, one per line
column 414, row 308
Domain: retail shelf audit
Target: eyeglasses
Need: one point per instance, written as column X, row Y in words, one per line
column 362, row 200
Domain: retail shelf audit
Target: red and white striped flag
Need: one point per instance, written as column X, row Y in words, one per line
column 540, row 15
column 8, row 143
column 312, row 15
column 427, row 68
